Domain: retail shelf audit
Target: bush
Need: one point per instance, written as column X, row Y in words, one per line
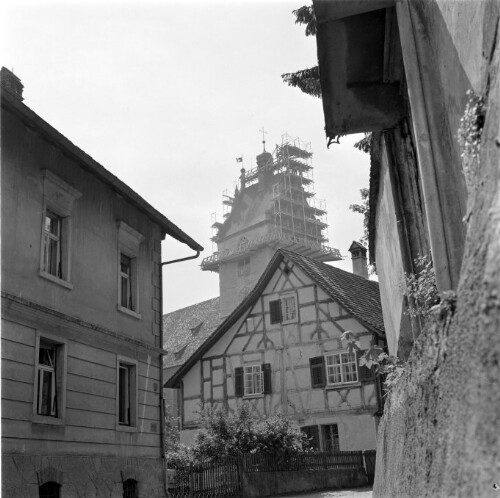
column 226, row 435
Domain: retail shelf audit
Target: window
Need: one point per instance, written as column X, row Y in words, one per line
column 289, row 306
column 52, row 244
column 46, row 386
column 336, row 369
column 129, row 241
column 130, row 488
column 243, row 267
column 49, row 490
column 331, row 438
column 312, row 432
column 126, row 282
column 126, row 398
column 283, row 310
column 341, row 368
column 253, row 380
column 56, row 229
column 50, row 380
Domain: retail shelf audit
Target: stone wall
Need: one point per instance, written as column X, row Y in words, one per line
column 272, row 483
column 440, row 434
column 81, row 476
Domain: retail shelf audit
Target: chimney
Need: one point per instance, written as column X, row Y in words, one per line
column 359, row 261
column 11, row 83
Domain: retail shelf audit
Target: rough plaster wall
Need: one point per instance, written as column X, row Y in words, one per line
column 440, row 434
column 389, row 264
column 81, row 477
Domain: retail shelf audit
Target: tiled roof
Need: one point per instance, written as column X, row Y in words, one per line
column 187, row 329
column 359, row 296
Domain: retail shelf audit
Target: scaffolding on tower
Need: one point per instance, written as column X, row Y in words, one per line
column 298, row 218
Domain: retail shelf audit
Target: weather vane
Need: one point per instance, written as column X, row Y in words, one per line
column 264, row 133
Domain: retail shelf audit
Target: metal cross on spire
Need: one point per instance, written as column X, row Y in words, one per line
column 264, row 133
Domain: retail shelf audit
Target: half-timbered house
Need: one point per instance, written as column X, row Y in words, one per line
column 281, row 351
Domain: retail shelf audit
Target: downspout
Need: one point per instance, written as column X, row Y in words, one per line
column 162, row 380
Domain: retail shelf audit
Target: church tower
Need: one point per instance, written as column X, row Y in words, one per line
column 274, row 207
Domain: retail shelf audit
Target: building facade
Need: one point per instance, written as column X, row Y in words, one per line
column 281, row 351
column 81, row 330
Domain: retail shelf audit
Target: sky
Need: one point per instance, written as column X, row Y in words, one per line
column 166, row 95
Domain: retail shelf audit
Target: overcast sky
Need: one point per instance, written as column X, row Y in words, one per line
column 167, row 95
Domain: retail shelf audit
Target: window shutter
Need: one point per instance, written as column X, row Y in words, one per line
column 365, row 374
column 238, row 382
column 275, row 309
column 266, row 373
column 318, row 374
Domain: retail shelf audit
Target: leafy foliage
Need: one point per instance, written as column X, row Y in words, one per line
column 421, row 289
column 471, row 125
column 224, row 435
column 469, row 139
column 391, row 367
column 363, row 209
column 305, row 15
column 364, row 145
column 306, row 80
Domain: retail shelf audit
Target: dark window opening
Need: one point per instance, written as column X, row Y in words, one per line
column 331, row 438
column 50, row 489
column 130, row 488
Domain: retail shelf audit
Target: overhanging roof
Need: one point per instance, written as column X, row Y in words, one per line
column 359, row 64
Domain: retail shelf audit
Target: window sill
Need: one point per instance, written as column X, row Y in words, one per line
column 56, row 280
column 346, row 385
column 125, row 428
column 47, row 420
column 128, row 312
column 287, row 322
column 249, row 396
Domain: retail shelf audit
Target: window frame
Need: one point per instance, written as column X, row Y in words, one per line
column 129, row 241
column 284, row 318
column 327, row 428
column 273, row 309
column 131, row 366
column 59, row 378
column 244, row 267
column 341, row 370
column 260, row 374
column 58, row 199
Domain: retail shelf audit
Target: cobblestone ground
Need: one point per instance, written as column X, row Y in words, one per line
column 338, row 493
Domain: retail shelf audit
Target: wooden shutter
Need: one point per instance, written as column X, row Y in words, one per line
column 275, row 309
column 318, row 374
column 266, row 374
column 365, row 374
column 239, row 389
